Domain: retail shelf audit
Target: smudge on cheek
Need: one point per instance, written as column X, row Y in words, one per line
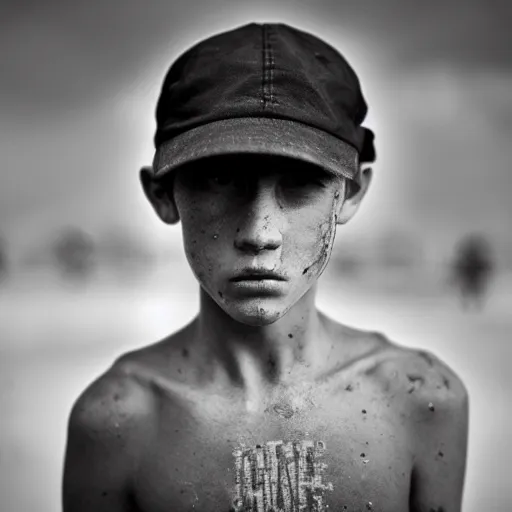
column 325, row 240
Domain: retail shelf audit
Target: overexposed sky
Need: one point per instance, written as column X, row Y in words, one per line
column 80, row 80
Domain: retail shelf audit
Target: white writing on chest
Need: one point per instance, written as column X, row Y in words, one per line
column 280, row 477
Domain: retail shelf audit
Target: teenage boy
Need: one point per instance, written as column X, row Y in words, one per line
column 262, row 402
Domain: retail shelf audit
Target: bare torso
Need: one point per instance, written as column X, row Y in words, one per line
column 202, row 448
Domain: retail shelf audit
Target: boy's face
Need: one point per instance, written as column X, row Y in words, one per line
column 258, row 231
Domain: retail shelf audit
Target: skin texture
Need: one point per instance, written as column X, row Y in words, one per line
column 166, row 427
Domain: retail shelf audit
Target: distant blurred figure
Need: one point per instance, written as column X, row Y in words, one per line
column 471, row 270
column 74, row 252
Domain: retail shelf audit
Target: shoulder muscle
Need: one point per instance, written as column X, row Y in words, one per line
column 107, row 428
column 436, row 404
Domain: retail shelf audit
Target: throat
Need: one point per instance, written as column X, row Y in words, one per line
column 280, row 381
column 260, row 360
column 274, row 365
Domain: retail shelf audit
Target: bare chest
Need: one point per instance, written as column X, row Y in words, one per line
column 326, row 454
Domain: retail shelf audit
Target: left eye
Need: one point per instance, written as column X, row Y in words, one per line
column 222, row 179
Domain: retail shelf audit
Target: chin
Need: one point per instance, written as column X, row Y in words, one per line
column 256, row 316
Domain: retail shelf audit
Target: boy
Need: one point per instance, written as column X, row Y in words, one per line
column 263, row 403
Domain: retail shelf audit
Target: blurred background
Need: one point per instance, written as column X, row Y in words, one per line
column 87, row 271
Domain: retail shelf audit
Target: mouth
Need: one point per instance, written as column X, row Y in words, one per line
column 257, row 274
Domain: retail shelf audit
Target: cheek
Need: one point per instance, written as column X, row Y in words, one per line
column 202, row 230
column 314, row 242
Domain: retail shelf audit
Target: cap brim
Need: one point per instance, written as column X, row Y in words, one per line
column 261, row 136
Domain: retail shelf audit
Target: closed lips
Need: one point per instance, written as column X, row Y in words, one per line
column 257, row 276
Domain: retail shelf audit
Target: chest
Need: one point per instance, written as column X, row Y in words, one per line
column 331, row 456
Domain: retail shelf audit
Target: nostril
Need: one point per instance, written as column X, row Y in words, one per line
column 255, row 239
column 255, row 246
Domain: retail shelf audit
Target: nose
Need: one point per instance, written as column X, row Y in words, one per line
column 259, row 230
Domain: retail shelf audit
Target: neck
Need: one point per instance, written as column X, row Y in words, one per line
column 259, row 357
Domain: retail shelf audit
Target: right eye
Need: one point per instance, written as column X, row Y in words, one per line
column 222, row 179
column 201, row 179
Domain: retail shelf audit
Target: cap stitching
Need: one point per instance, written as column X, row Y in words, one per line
column 271, row 64
column 267, row 70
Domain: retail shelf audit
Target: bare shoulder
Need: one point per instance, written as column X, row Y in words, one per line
column 127, row 393
column 109, row 426
column 430, row 401
column 416, row 383
column 416, row 372
column 116, row 403
column 415, row 380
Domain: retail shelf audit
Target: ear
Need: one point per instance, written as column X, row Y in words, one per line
column 352, row 200
column 160, row 194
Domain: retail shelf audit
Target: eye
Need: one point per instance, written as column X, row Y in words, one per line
column 302, row 179
column 208, row 179
column 222, row 178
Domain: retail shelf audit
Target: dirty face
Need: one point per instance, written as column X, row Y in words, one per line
column 258, row 231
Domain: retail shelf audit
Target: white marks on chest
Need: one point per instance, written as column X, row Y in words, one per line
column 280, row 477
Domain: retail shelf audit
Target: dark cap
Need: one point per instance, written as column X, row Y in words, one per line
column 265, row 89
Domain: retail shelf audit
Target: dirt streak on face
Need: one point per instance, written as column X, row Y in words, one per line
column 247, row 216
column 327, row 234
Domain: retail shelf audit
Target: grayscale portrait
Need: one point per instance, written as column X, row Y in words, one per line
column 255, row 256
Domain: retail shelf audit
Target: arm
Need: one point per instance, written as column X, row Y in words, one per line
column 440, row 442
column 104, row 438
